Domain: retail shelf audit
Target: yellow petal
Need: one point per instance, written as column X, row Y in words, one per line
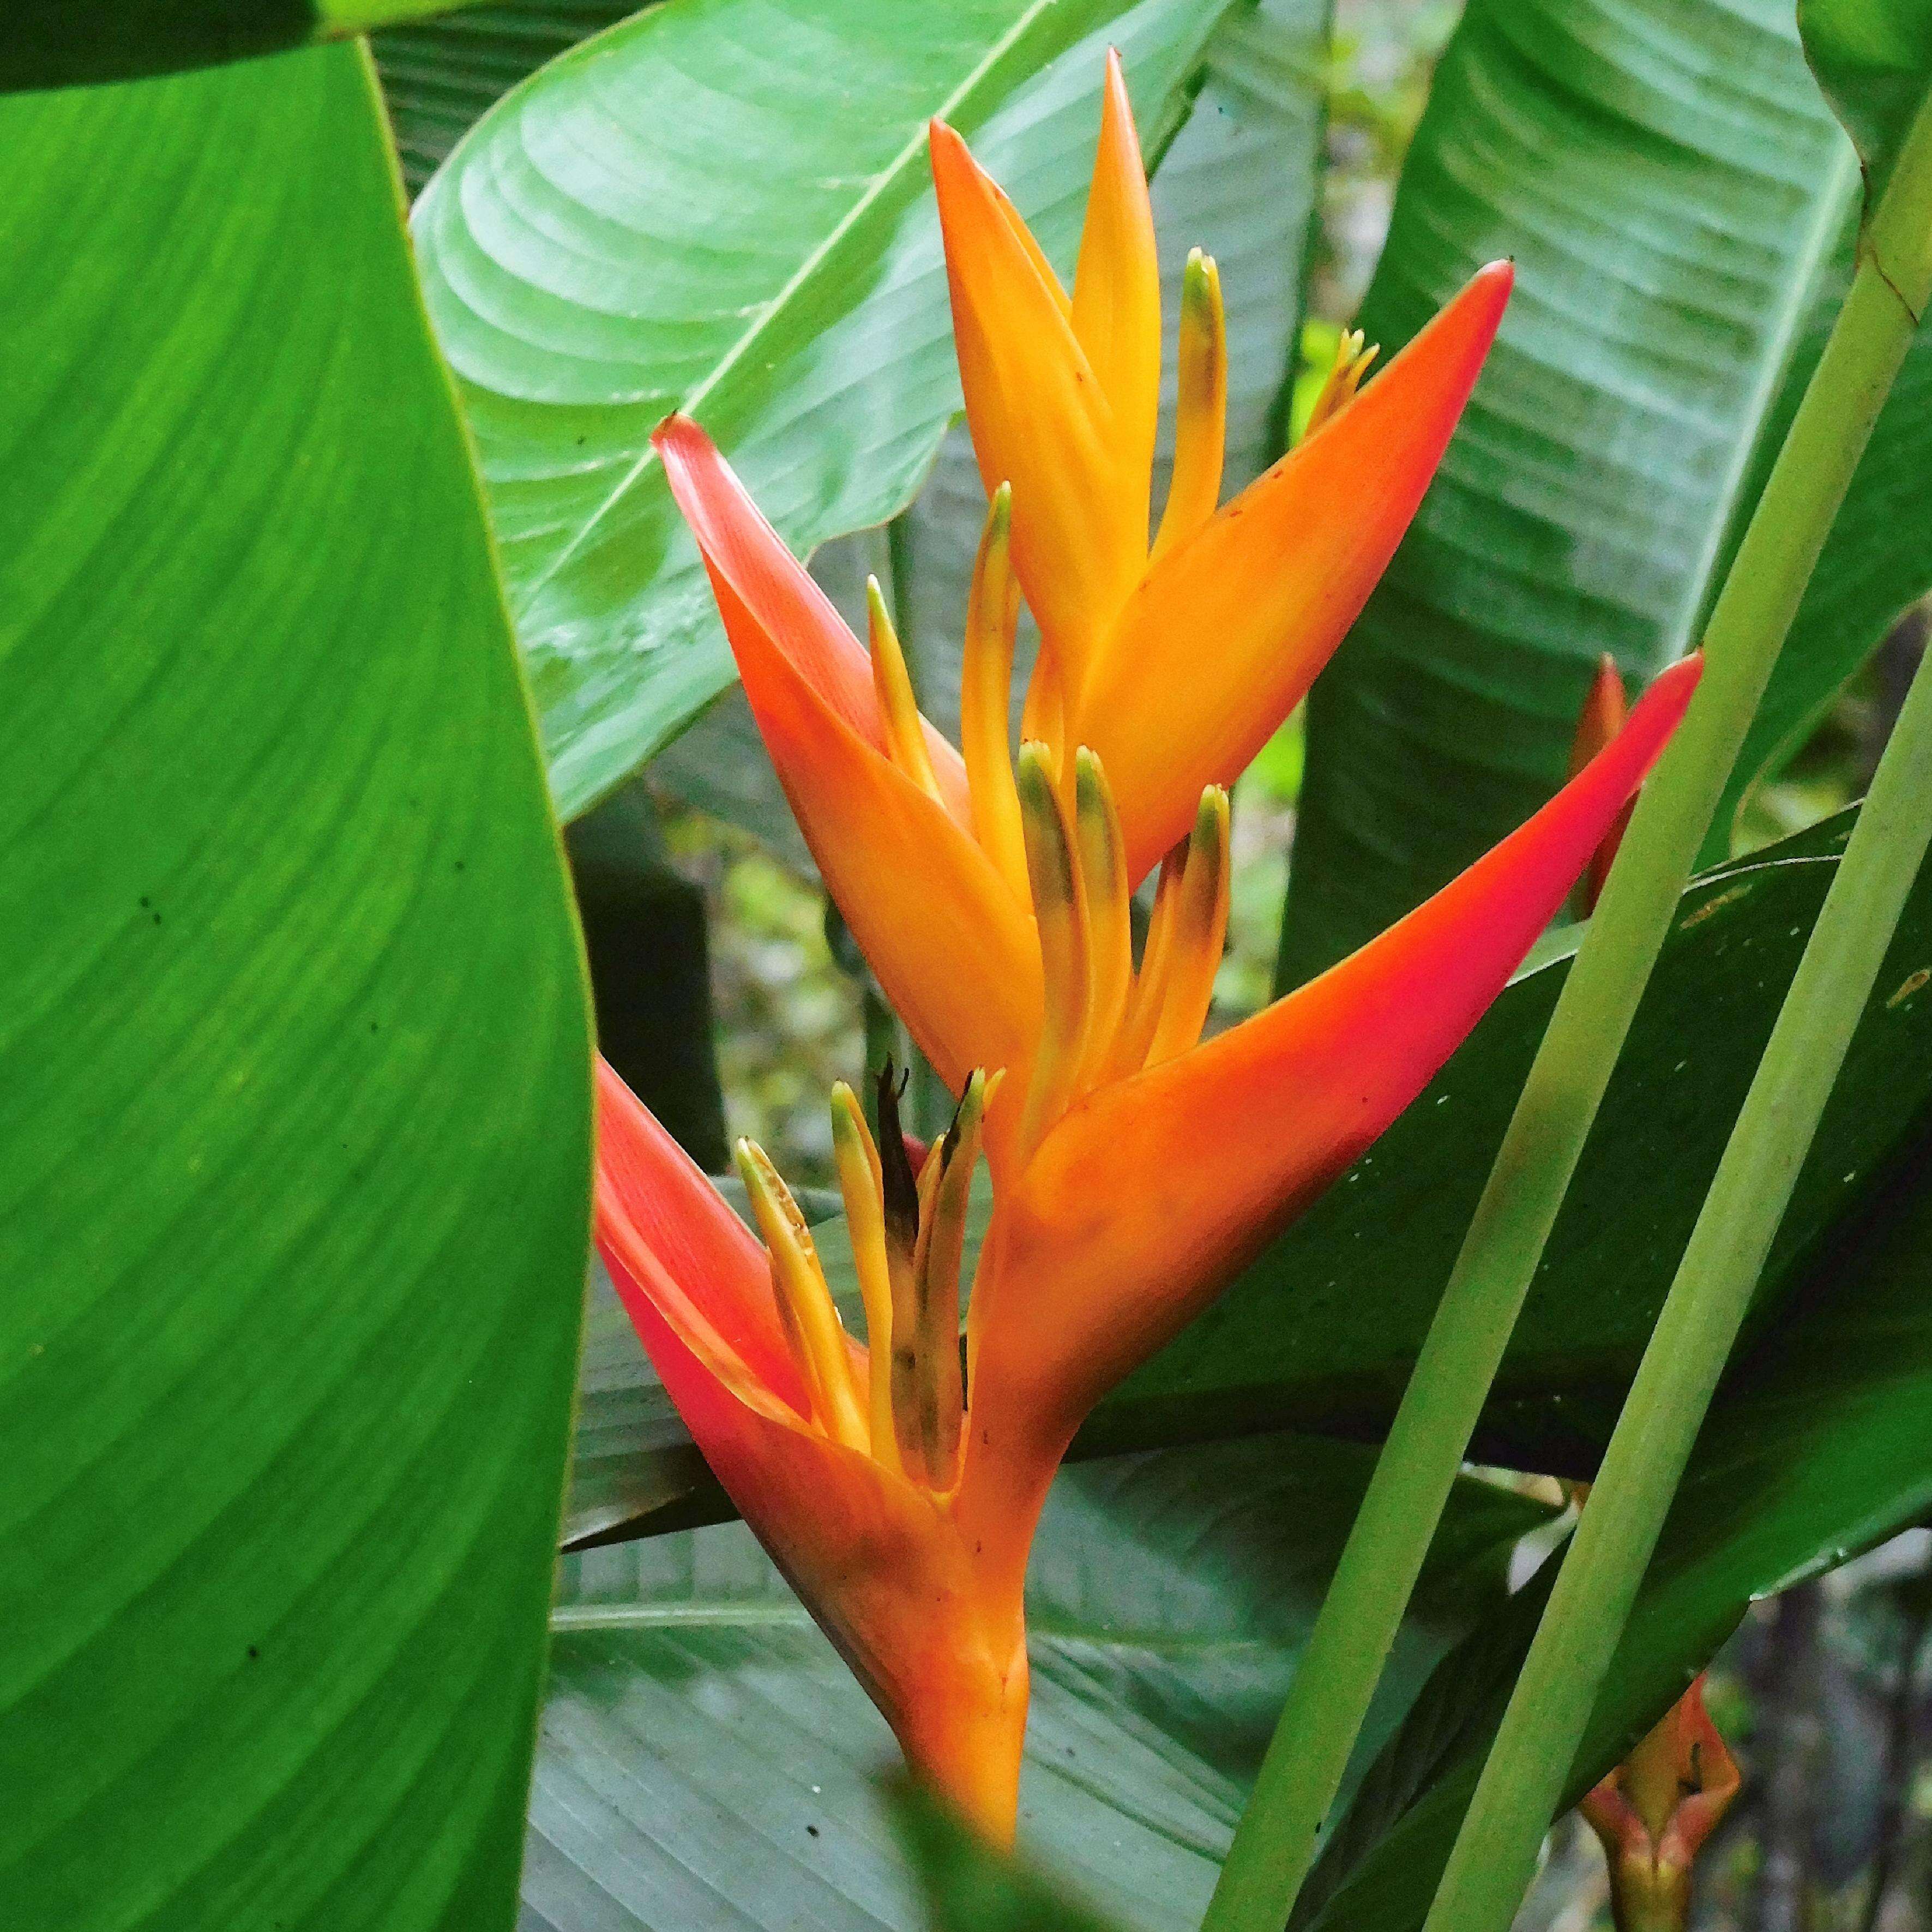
column 1201, row 407
column 1198, row 931
column 861, row 1184
column 1060, row 916
column 812, row 1326
column 985, row 697
column 1104, row 889
column 898, row 710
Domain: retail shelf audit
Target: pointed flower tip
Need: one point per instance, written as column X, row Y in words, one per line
column 1670, row 694
column 1093, row 804
column 1490, row 288
column 848, row 1118
column 973, row 1101
column 948, row 153
column 678, row 434
column 1475, row 312
column 749, row 1159
column 1601, row 716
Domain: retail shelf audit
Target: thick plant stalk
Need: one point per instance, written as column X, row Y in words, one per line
column 1278, row 1836
column 1494, row 1855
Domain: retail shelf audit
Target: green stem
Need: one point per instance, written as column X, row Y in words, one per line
column 1278, row 1837
column 1522, row 1782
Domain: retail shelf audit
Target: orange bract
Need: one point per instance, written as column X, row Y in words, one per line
column 877, row 1556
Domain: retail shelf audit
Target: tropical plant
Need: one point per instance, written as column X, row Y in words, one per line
column 381, row 572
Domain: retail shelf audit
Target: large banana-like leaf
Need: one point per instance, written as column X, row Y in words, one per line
column 725, row 206
column 706, row 1760
column 1681, row 203
column 1322, row 1331
column 61, row 42
column 294, row 1145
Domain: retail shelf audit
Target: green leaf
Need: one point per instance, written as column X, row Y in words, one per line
column 725, row 208
column 1815, row 1451
column 1874, row 59
column 439, row 77
column 294, row 1046
column 706, row 1758
column 64, row 42
column 1321, row 1331
column 1681, row 206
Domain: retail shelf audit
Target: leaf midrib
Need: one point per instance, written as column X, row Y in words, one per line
column 800, row 278
column 570, row 1617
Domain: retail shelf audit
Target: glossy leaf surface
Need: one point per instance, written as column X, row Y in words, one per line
column 1874, row 59
column 1680, row 203
column 701, row 210
column 441, row 76
column 294, row 1152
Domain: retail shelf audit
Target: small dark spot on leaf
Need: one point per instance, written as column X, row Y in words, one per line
column 252, row 1653
column 811, row 1831
column 459, row 865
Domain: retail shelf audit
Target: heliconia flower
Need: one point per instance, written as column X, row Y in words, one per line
column 1604, row 709
column 1136, row 1167
column 1654, row 1813
column 843, row 1459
